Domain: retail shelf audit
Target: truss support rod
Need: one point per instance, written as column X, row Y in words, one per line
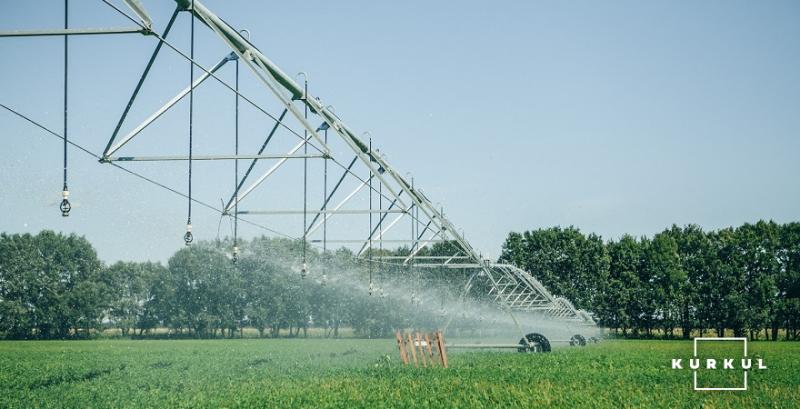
column 528, row 301
column 255, row 60
column 168, row 105
column 184, row 5
column 381, row 233
column 424, row 230
column 367, row 157
column 327, row 216
column 347, row 211
column 260, row 151
column 335, row 188
column 507, row 296
column 451, row 266
column 359, row 241
column 421, row 246
column 73, row 31
column 414, row 249
column 416, row 241
column 237, row 41
column 454, row 257
column 141, row 80
column 207, row 157
column 263, row 177
column 424, row 257
column 270, row 72
column 513, row 271
column 287, row 102
column 379, row 225
column 520, row 295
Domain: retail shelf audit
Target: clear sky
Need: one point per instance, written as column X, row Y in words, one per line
column 615, row 117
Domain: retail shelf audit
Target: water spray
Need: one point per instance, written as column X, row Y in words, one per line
column 513, row 288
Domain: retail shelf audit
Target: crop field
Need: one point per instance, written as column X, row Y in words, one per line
column 367, row 373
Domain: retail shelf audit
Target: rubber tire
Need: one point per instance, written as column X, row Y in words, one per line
column 577, row 339
column 544, row 343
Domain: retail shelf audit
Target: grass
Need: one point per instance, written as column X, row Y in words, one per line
column 366, row 373
column 247, row 332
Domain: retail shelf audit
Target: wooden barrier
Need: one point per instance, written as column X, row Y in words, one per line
column 427, row 349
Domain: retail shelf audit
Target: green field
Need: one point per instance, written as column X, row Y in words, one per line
column 367, row 373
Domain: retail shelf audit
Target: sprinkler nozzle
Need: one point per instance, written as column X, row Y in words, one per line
column 188, row 237
column 65, row 205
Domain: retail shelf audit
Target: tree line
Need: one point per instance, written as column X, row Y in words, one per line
column 681, row 280
column 52, row 286
column 745, row 280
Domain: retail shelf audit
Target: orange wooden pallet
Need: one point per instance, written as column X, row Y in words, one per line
column 427, row 349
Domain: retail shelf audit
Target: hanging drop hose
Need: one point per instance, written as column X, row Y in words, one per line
column 304, row 269
column 188, row 237
column 417, row 237
column 235, row 252
column 369, row 233
column 235, row 255
column 380, row 234
column 325, row 219
column 413, row 247
column 65, row 205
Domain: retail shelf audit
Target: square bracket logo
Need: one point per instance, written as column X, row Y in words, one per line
column 743, row 340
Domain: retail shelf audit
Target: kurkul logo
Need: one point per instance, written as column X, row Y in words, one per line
column 743, row 364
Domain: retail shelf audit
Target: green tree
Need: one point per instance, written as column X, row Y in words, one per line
column 568, row 263
column 201, row 276
column 723, row 302
column 789, row 278
column 52, row 285
column 757, row 246
column 132, row 291
column 618, row 305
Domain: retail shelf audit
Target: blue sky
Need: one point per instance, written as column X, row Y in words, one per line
column 616, row 117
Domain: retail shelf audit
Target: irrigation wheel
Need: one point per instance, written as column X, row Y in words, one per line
column 577, row 339
column 534, row 342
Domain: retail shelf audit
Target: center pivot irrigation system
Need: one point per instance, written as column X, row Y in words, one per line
column 354, row 179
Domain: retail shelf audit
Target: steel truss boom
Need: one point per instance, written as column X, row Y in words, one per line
column 525, row 294
column 515, row 289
